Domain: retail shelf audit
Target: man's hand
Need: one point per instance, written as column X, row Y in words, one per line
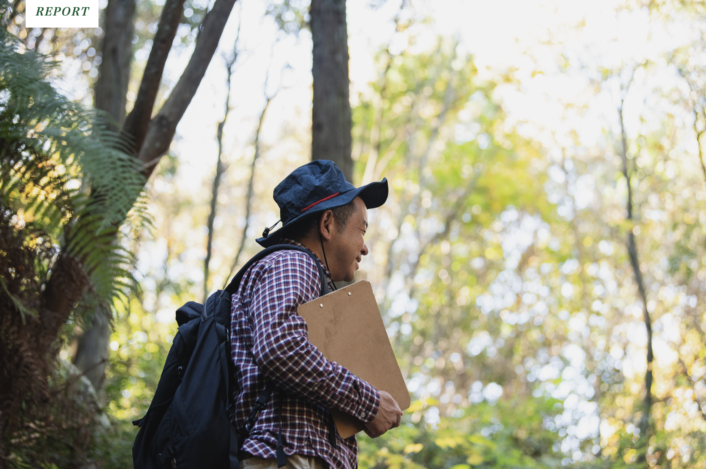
column 388, row 416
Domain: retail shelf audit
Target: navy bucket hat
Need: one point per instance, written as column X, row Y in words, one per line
column 314, row 188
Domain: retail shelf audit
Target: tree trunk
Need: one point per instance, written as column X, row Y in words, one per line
column 220, row 169
column 110, row 96
column 331, row 114
column 644, row 424
column 111, row 87
column 92, row 351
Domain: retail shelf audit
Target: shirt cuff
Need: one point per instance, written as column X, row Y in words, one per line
column 369, row 401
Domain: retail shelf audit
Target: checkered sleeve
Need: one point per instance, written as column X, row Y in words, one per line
column 281, row 347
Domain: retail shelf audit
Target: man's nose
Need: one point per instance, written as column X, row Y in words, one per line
column 365, row 250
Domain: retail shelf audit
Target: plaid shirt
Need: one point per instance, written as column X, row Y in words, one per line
column 269, row 342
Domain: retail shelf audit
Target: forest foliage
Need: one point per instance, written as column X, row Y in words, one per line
column 500, row 262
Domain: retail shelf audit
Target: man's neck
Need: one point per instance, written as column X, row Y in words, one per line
column 314, row 247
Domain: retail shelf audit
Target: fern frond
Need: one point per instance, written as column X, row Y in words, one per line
column 66, row 173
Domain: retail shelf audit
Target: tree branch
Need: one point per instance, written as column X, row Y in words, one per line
column 138, row 120
column 162, row 127
column 251, row 182
column 220, row 168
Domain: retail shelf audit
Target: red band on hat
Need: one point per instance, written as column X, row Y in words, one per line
column 318, row 202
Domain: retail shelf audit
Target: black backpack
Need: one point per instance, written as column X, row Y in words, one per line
column 188, row 422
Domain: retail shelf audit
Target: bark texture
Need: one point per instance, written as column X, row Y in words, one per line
column 111, row 86
column 331, row 113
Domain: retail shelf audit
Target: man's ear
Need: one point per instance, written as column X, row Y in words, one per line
column 327, row 225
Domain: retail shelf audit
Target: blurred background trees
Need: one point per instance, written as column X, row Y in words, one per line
column 547, row 203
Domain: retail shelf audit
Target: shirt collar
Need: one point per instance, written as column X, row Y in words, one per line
column 297, row 243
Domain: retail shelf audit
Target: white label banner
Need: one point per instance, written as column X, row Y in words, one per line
column 62, row 14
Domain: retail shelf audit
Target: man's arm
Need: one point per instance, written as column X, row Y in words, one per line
column 281, row 346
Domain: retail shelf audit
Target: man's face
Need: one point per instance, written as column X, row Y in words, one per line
column 348, row 246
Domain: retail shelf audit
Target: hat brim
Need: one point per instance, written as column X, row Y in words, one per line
column 373, row 195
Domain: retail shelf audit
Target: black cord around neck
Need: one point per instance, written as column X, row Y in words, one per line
column 321, row 238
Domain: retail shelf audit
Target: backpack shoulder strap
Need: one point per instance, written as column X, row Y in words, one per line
column 235, row 283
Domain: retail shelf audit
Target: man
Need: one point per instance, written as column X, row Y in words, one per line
column 324, row 213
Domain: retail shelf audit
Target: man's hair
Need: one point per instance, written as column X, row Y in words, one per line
column 302, row 229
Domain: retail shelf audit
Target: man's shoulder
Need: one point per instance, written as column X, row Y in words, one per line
column 290, row 264
column 288, row 257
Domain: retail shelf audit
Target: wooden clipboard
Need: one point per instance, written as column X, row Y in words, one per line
column 347, row 328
